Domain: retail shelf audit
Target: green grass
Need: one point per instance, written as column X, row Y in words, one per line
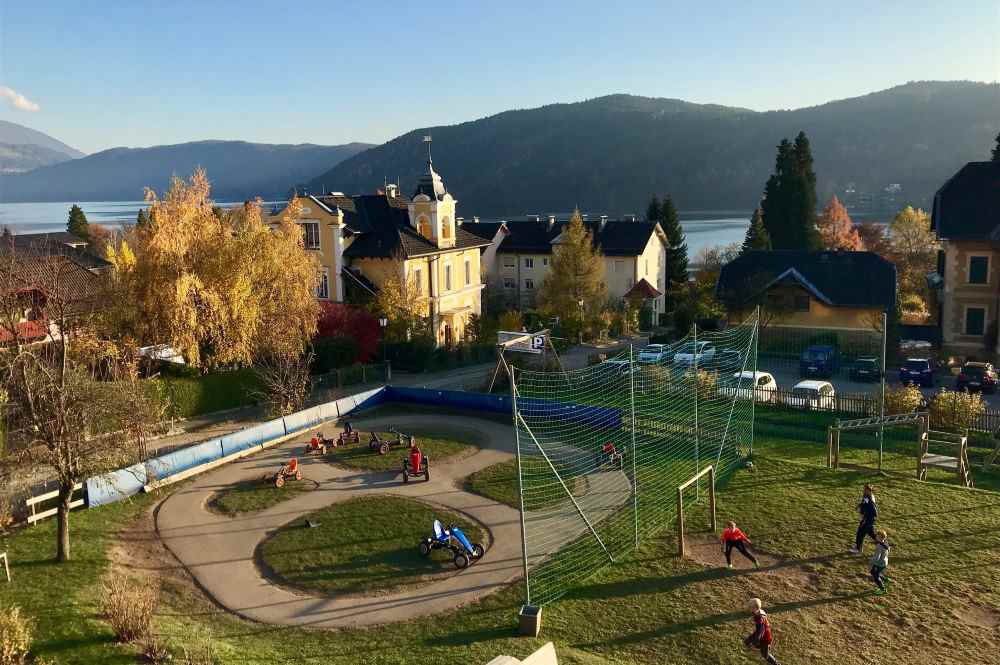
column 364, row 544
column 499, row 482
column 251, row 496
column 360, row 456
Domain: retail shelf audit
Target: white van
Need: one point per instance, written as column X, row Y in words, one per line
column 813, row 394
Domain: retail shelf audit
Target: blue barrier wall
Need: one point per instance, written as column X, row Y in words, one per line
column 183, row 459
column 115, row 486
column 254, row 436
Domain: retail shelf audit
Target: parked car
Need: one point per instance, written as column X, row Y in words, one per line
column 746, row 384
column 917, row 370
column 812, row 394
column 818, row 360
column 977, row 376
column 619, row 367
column 728, row 359
column 691, row 352
column 654, row 353
column 866, row 369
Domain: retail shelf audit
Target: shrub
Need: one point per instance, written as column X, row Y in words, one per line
column 338, row 321
column 904, row 399
column 333, row 353
column 128, row 604
column 154, row 650
column 15, row 636
column 511, row 321
column 956, row 410
column 191, row 396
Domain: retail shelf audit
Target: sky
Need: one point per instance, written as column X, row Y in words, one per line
column 100, row 74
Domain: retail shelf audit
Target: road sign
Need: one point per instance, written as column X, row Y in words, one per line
column 523, row 342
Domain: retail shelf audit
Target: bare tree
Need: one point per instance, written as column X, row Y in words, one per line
column 284, row 378
column 76, row 401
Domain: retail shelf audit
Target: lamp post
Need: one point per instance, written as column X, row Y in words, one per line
column 580, row 303
column 383, row 323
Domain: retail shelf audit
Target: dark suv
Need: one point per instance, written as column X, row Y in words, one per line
column 818, row 360
column 918, row 371
column 977, row 376
column 866, row 369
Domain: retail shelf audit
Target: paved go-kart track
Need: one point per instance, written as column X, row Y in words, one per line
column 220, row 551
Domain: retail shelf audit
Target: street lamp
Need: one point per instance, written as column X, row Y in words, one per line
column 383, row 323
column 580, row 303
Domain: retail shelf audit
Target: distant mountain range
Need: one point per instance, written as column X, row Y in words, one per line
column 610, row 154
column 236, row 169
column 23, row 149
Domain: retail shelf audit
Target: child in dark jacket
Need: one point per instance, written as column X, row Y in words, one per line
column 761, row 637
column 869, row 513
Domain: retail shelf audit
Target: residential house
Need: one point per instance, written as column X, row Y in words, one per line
column 360, row 241
column 633, row 251
column 966, row 218
column 846, row 291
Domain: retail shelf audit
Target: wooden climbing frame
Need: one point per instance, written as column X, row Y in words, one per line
column 959, row 464
column 918, row 418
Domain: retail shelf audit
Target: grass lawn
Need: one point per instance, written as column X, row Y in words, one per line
column 650, row 608
column 499, row 482
column 365, row 544
column 253, row 495
column 360, row 456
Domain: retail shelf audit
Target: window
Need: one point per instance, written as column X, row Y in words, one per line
column 310, row 234
column 323, row 288
column 529, row 285
column 647, row 266
column 447, row 278
column 508, row 283
column 545, row 261
column 619, row 266
column 509, row 262
column 468, row 272
column 975, row 320
column 418, row 281
column 529, row 262
column 445, row 228
column 979, row 269
column 801, row 303
column 424, row 227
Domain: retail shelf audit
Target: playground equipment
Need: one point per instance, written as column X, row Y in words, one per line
column 958, row 464
column 349, row 435
column 609, row 453
column 918, row 418
column 382, row 446
column 452, row 539
column 415, row 464
column 707, row 471
column 289, row 470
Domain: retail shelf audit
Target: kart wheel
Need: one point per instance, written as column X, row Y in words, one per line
column 279, row 481
column 477, row 551
column 425, row 549
column 427, row 475
column 383, row 449
column 406, row 476
column 461, row 560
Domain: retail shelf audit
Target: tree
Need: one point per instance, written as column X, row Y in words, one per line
column 77, row 223
column 698, row 298
column 576, row 275
column 405, row 310
column 357, row 323
column 220, row 289
column 954, row 410
column 836, row 230
column 142, row 218
column 873, row 238
column 79, row 407
column 913, row 249
column 677, row 251
column 284, row 378
column 757, row 238
column 789, row 203
column 653, row 210
column 996, row 150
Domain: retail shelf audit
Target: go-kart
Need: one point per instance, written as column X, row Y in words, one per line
column 381, row 446
column 609, row 453
column 290, row 470
column 452, row 539
column 318, row 444
column 415, row 465
column 349, row 435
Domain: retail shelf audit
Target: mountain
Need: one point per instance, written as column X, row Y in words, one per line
column 611, row 154
column 237, row 170
column 23, row 149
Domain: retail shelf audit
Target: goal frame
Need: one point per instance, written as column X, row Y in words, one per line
column 707, row 471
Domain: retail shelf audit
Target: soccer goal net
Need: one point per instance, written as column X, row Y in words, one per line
column 602, row 450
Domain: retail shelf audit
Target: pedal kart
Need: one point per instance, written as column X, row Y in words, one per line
column 287, row 471
column 382, row 446
column 318, row 444
column 349, row 435
column 452, row 539
column 609, row 454
column 416, row 465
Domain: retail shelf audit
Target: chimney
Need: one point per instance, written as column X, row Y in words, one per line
column 552, row 221
column 604, row 221
column 475, row 219
column 535, row 218
column 459, row 221
column 391, row 190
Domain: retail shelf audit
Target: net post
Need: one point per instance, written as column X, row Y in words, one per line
column 635, row 479
column 520, row 482
column 881, row 413
column 681, row 550
column 711, row 497
column 697, row 429
column 753, row 402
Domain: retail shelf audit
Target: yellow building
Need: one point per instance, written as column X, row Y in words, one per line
column 360, row 241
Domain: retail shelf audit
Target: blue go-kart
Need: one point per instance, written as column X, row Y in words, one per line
column 452, row 539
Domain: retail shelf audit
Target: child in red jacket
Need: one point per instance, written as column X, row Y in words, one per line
column 761, row 637
column 731, row 538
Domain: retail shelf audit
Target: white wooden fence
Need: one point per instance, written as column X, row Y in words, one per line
column 36, row 516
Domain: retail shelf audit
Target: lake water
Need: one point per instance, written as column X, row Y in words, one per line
column 702, row 229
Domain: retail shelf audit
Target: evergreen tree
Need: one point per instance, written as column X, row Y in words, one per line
column 576, row 274
column 77, row 223
column 677, row 253
column 757, row 238
column 653, row 210
column 804, row 197
column 996, row 150
column 142, row 218
column 789, row 204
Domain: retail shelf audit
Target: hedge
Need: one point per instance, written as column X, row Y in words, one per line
column 194, row 395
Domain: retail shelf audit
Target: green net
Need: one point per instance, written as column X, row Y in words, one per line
column 602, row 450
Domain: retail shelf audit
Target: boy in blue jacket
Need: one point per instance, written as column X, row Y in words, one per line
column 869, row 513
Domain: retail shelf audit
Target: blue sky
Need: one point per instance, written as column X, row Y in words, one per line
column 107, row 73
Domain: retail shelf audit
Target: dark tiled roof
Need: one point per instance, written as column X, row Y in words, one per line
column 860, row 279
column 59, row 243
column 52, row 274
column 484, row 230
column 643, row 289
column 618, row 238
column 430, row 184
column 968, row 205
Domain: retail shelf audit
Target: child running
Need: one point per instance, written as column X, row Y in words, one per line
column 880, row 561
column 761, row 637
column 733, row 537
column 869, row 513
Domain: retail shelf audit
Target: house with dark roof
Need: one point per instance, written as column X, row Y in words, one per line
column 846, row 291
column 966, row 219
column 361, row 241
column 634, row 251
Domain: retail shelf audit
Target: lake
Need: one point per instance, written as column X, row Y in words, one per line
column 702, row 228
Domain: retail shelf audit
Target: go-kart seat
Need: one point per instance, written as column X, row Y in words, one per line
column 440, row 533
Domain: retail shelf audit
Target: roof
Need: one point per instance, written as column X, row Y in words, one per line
column 430, row 184
column 812, row 383
column 616, row 238
column 643, row 289
column 484, row 230
column 967, row 206
column 58, row 243
column 839, row 279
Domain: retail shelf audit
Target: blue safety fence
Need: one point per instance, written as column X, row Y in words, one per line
column 115, row 486
column 181, row 460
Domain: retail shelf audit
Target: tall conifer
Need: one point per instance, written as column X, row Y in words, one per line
column 77, row 223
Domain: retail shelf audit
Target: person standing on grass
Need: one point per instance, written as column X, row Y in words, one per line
column 761, row 637
column 880, row 561
column 869, row 513
column 731, row 538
